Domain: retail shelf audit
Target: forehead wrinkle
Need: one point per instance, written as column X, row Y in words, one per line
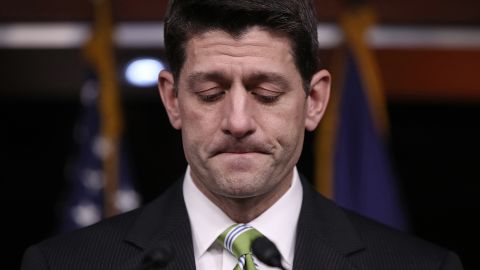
column 249, row 50
column 252, row 78
column 225, row 49
column 229, row 45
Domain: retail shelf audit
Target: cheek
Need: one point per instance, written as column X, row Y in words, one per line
column 193, row 137
column 286, row 126
column 197, row 125
column 291, row 116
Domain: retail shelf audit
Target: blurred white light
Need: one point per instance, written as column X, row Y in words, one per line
column 143, row 72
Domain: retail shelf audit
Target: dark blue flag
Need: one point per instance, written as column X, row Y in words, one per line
column 363, row 178
column 84, row 201
column 353, row 163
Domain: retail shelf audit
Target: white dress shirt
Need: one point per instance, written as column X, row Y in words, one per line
column 278, row 223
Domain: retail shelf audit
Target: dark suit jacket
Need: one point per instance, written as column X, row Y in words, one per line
column 328, row 237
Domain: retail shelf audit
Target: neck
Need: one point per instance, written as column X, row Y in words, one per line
column 244, row 210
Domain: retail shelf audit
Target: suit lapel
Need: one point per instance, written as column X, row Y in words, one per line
column 325, row 236
column 163, row 222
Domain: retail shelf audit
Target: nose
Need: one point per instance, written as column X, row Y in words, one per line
column 238, row 119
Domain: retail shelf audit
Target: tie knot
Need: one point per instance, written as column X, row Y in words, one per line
column 238, row 239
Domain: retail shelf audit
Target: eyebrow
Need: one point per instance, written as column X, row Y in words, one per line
column 270, row 77
column 251, row 79
column 205, row 77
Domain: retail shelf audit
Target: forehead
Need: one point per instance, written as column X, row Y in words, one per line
column 256, row 48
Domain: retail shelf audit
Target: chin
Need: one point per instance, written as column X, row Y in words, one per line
column 240, row 165
column 241, row 185
column 240, row 193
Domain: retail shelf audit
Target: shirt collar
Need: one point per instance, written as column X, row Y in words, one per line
column 208, row 220
column 279, row 222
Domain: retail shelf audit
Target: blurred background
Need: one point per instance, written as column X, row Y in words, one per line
column 428, row 58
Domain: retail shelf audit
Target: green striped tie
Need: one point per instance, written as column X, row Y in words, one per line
column 237, row 239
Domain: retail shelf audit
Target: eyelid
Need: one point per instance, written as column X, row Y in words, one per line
column 211, row 94
column 268, row 85
column 266, row 95
column 204, row 86
column 267, row 91
column 208, row 89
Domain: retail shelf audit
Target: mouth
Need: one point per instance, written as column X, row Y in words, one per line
column 241, row 151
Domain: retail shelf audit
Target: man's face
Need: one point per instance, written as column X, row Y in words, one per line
column 242, row 110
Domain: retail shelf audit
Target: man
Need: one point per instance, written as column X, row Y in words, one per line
column 245, row 83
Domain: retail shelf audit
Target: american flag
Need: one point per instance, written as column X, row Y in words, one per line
column 84, row 201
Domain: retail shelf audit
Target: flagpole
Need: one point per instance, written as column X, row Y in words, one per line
column 99, row 51
column 355, row 23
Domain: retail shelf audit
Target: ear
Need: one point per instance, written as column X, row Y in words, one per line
column 317, row 98
column 166, row 87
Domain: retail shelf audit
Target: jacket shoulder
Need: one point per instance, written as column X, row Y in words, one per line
column 398, row 249
column 86, row 248
column 112, row 242
column 364, row 243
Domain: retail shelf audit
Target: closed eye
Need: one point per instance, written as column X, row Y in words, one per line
column 211, row 95
column 266, row 96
